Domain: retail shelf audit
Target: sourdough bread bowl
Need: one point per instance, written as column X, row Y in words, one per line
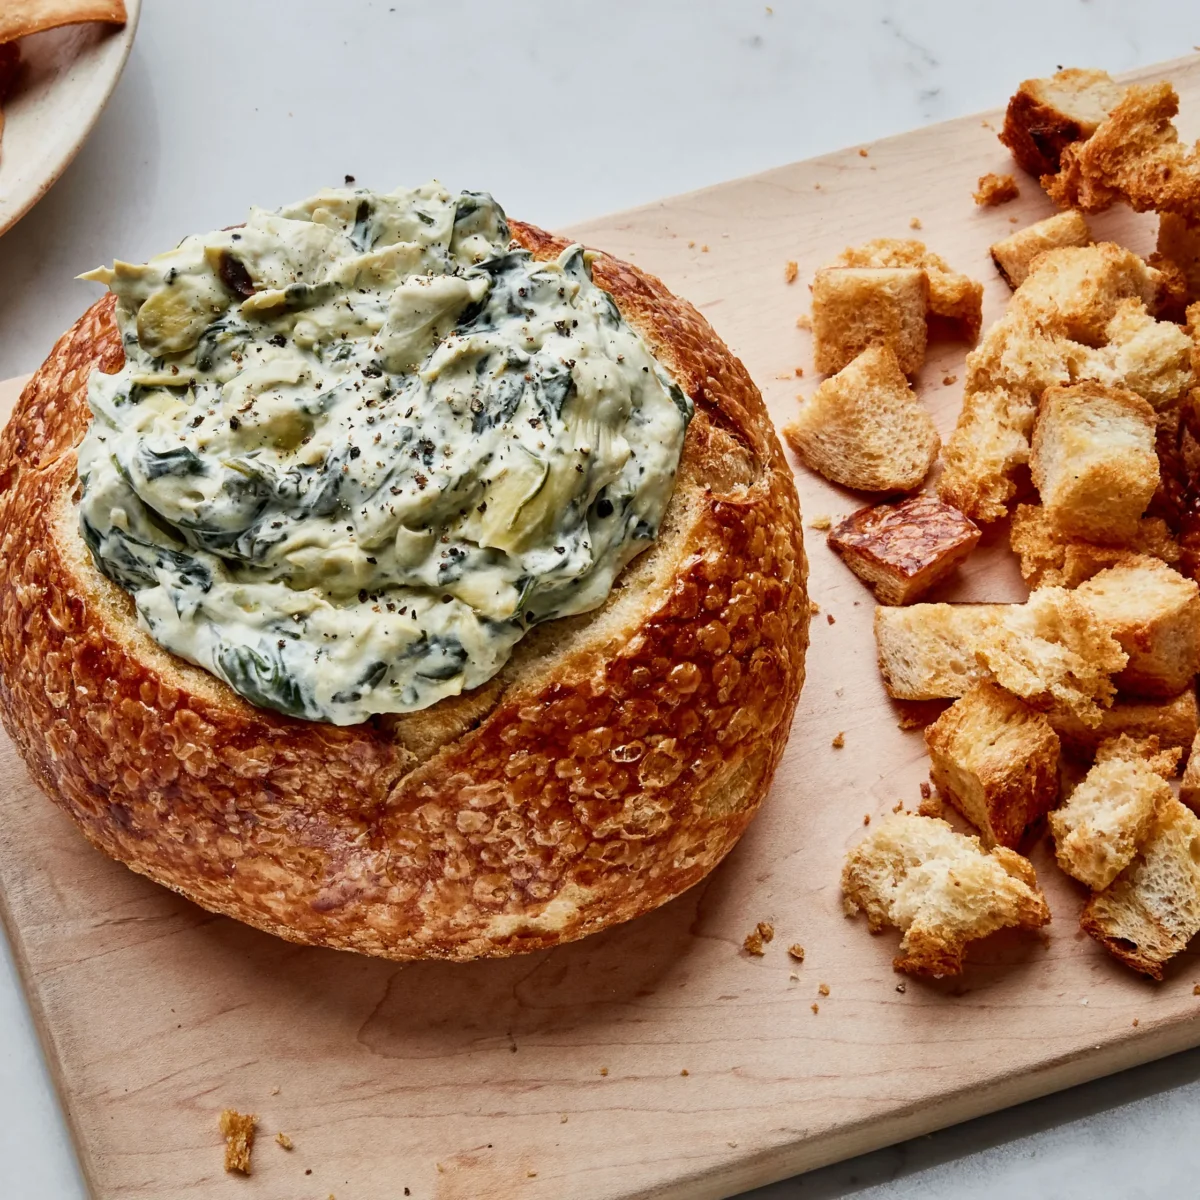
column 609, row 765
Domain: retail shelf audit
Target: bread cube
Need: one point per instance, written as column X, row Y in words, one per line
column 996, row 761
column 1162, row 760
column 1179, row 241
column 1189, row 785
column 1051, row 651
column 1093, row 460
column 1154, row 612
column 1107, row 818
column 954, row 298
column 1173, row 722
column 1150, row 912
column 1047, row 115
column 926, row 651
column 864, row 427
column 902, row 550
column 939, row 887
column 855, row 308
column 993, row 190
column 1149, row 357
column 1014, row 254
column 1050, row 558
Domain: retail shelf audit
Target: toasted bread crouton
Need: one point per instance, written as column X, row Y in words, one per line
column 1189, row 785
column 1053, row 650
column 1173, row 722
column 954, row 297
column 238, row 1130
column 1173, row 293
column 1051, row 558
column 1047, row 115
column 983, row 458
column 996, row 761
column 1149, row 357
column 1075, row 291
column 1133, row 155
column 1014, row 254
column 1150, row 912
column 1162, row 760
column 864, row 427
column 1154, row 612
column 902, row 550
column 1179, row 242
column 993, row 190
column 1108, row 816
column 1093, row 460
column 858, row 308
column 939, row 887
column 926, row 651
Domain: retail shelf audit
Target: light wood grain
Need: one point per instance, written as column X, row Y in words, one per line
column 454, row 1081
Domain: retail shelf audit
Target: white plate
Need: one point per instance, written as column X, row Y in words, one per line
column 68, row 77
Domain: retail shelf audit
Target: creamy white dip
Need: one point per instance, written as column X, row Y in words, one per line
column 360, row 445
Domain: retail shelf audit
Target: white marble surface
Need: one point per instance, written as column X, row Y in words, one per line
column 671, row 95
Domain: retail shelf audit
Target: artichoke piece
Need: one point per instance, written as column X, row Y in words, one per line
column 502, row 523
column 421, row 312
column 176, row 314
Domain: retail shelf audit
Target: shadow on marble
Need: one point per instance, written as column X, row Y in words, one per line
column 895, row 1164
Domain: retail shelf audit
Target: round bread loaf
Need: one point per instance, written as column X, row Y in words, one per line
column 613, row 762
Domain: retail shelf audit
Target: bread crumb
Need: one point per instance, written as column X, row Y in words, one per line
column 866, row 818
column 902, row 987
column 996, row 189
column 839, row 740
column 530, row 1174
column 813, row 608
column 949, row 379
column 765, row 930
column 914, row 223
column 275, row 1090
column 796, row 951
column 563, row 1119
column 704, row 249
column 791, row 271
column 926, row 791
column 691, row 245
column 821, row 521
column 816, row 1008
column 823, row 989
column 987, row 125
column 1013, row 220
column 285, row 1141
column 1135, row 1022
column 793, row 977
column 804, row 321
column 238, row 1129
column 898, row 806
column 799, row 372
column 752, row 943
column 862, row 153
column 684, row 1071
column 1196, row 990
column 603, row 1070
column 830, row 619
column 931, row 808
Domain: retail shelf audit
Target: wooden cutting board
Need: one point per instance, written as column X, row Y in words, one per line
column 657, row 1059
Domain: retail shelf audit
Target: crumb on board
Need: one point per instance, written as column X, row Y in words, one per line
column 830, row 619
column 684, row 1072
column 1196, row 990
column 783, row 375
column 286, row 1142
column 794, row 977
column 839, row 740
column 931, row 806
column 757, row 938
column 949, row 379
column 898, row 806
column 815, row 1007
column 1135, row 1022
column 563, row 1119
column 926, row 791
column 275, row 1090
column 796, row 951
column 987, row 125
column 691, row 245
column 914, row 223
column 902, row 987
column 821, row 521
column 791, row 271
column 1013, row 220
column 804, row 321
column 995, row 189
column 813, row 608
column 704, row 248
column 862, row 152
column 866, row 818
column 799, row 372
column 823, row 989
column 238, row 1129
column 530, row 1174
column 603, row 1070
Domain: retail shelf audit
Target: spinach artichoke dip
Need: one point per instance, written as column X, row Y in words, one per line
column 360, row 445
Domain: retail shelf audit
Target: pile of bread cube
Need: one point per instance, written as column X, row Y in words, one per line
column 1074, row 709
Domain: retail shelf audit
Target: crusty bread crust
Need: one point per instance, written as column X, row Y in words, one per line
column 610, row 766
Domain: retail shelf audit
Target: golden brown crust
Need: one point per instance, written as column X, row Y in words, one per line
column 611, row 766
